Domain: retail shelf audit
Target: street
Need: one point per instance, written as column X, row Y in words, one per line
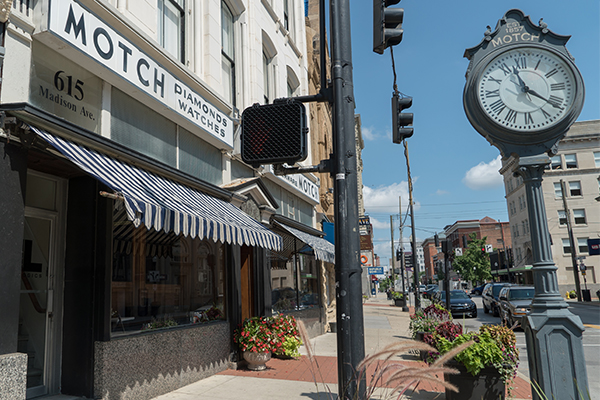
column 590, row 316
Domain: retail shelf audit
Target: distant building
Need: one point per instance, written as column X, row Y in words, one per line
column 577, row 164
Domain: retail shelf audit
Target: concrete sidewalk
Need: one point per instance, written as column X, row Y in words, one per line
column 295, row 379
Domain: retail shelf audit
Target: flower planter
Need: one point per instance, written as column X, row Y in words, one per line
column 487, row 385
column 400, row 302
column 256, row 361
column 420, row 336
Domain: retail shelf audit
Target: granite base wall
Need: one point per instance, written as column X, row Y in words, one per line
column 13, row 376
column 148, row 365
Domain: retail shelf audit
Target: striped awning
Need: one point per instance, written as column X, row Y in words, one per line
column 166, row 205
column 323, row 249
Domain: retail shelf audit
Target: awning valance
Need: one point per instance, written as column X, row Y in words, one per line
column 164, row 204
column 324, row 250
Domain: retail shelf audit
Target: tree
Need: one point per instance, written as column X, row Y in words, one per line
column 474, row 264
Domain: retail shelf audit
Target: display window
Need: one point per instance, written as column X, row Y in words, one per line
column 163, row 280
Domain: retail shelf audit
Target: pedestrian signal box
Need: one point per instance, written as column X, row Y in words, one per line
column 274, row 133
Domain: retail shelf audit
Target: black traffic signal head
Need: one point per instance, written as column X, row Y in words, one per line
column 387, row 25
column 398, row 254
column 401, row 120
column 274, row 133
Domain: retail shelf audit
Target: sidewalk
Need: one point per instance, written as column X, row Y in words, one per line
column 295, row 379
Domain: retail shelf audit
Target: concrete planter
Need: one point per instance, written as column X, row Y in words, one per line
column 487, row 385
column 400, row 302
column 256, row 361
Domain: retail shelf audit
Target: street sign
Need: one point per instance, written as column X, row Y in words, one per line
column 489, row 248
column 375, row 270
column 458, row 252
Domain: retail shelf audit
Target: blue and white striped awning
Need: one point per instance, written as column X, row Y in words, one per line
column 323, row 249
column 166, row 205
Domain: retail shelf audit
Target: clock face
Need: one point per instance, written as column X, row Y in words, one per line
column 526, row 89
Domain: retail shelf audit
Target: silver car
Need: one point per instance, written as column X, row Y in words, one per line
column 515, row 303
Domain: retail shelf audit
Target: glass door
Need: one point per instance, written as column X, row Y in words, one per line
column 40, row 309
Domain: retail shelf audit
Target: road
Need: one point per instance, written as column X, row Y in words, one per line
column 590, row 316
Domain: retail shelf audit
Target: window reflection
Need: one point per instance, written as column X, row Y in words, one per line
column 162, row 280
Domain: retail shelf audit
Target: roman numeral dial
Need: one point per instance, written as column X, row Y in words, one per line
column 526, row 89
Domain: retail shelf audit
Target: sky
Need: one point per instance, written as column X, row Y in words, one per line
column 454, row 169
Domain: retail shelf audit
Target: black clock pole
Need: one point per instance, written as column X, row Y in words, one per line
column 506, row 63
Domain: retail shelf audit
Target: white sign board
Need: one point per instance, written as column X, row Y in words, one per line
column 458, row 251
column 489, row 248
column 86, row 32
column 301, row 183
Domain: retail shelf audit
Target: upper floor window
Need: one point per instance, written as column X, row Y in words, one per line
column 267, row 77
column 582, row 245
column 171, row 17
column 570, row 161
column 227, row 53
column 566, row 246
column 562, row 217
column 555, row 163
column 293, row 83
column 579, row 216
column 597, row 159
column 288, row 17
column 557, row 190
column 575, row 188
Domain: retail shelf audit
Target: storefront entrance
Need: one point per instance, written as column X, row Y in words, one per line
column 40, row 311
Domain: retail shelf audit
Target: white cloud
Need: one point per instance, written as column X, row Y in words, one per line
column 379, row 224
column 441, row 192
column 384, row 199
column 368, row 134
column 484, row 175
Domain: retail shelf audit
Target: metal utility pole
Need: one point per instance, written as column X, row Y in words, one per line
column 504, row 257
column 393, row 254
column 563, row 192
column 413, row 243
column 350, row 335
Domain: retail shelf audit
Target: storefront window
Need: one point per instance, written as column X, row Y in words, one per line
column 162, row 280
column 294, row 283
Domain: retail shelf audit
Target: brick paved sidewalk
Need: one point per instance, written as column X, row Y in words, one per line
column 325, row 372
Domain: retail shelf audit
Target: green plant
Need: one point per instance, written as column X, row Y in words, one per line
column 255, row 334
column 286, row 338
column 397, row 295
column 290, row 347
column 159, row 323
column 494, row 345
column 427, row 319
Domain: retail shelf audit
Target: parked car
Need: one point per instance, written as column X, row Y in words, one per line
column 515, row 303
column 478, row 290
column 489, row 297
column 460, row 303
column 430, row 290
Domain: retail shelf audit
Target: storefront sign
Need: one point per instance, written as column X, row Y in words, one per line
column 86, row 32
column 63, row 88
column 366, row 258
column 302, row 184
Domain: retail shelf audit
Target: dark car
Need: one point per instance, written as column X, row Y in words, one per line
column 478, row 290
column 515, row 303
column 489, row 298
column 430, row 290
column 460, row 303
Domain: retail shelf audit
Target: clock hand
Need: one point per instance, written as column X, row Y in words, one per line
column 521, row 83
column 536, row 94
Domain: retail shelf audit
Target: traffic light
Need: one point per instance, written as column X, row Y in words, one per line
column 398, row 255
column 483, row 249
column 387, row 25
column 400, row 120
column 274, row 133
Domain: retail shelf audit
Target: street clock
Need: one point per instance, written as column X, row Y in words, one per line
column 523, row 90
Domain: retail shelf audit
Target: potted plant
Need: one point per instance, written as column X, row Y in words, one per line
column 286, row 338
column 425, row 320
column 486, row 368
column 398, row 298
column 255, row 339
